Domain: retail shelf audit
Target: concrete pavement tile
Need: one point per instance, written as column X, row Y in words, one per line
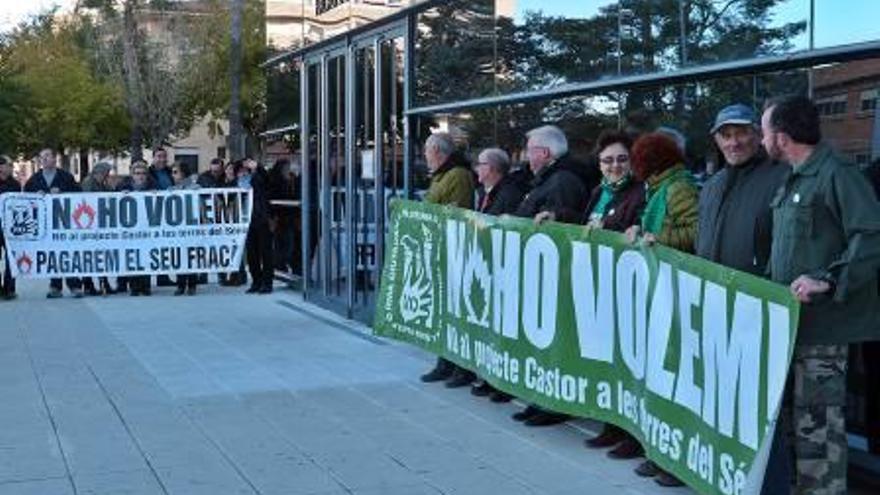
column 140, row 482
column 53, row 486
column 218, row 479
column 420, row 489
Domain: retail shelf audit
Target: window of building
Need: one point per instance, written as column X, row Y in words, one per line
column 831, row 106
column 868, row 100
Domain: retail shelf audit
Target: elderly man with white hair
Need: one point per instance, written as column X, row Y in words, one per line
column 452, row 183
column 558, row 193
column 558, row 189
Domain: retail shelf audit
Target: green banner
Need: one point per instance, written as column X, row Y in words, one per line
column 688, row 356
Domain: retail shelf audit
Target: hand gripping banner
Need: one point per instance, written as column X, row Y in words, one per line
column 124, row 234
column 688, row 356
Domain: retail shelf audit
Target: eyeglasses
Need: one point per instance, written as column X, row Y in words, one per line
column 609, row 160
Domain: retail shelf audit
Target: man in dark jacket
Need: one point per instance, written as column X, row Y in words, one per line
column 53, row 180
column 501, row 194
column 735, row 225
column 160, row 172
column 8, row 184
column 557, row 188
column 215, row 176
column 259, row 238
column 558, row 193
column 826, row 248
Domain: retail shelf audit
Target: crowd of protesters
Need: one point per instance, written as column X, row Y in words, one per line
column 159, row 176
column 784, row 206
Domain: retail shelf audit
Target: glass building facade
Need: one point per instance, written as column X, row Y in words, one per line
column 357, row 86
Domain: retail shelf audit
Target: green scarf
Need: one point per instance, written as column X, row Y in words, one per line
column 609, row 189
column 655, row 209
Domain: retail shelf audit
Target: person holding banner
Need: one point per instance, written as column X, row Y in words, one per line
column 230, row 180
column 259, row 237
column 8, row 184
column 670, row 218
column 735, row 226
column 186, row 283
column 160, row 173
column 558, row 193
column 501, row 194
column 52, row 180
column 615, row 204
column 452, row 183
column 826, row 248
column 96, row 181
column 139, row 181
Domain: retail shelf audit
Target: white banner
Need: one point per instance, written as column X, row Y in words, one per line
column 122, row 234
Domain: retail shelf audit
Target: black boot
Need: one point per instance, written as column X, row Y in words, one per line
column 460, row 378
column 442, row 370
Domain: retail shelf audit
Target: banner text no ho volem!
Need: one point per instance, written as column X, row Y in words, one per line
column 125, row 234
column 689, row 356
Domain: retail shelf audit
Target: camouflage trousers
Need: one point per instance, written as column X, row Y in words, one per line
column 816, row 419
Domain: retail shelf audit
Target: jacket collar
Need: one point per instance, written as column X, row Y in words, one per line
column 654, row 181
column 814, row 162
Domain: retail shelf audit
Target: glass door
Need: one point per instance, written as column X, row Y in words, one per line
column 377, row 158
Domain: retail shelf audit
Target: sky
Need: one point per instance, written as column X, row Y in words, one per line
column 14, row 11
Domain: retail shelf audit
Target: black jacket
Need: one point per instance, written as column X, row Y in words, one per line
column 557, row 188
column 735, row 226
column 9, row 185
column 503, row 199
column 63, row 180
column 207, row 180
column 127, row 185
column 260, row 190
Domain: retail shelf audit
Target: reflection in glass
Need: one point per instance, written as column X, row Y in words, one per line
column 454, row 52
column 282, row 95
column 542, row 46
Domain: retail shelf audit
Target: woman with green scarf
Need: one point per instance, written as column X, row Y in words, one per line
column 671, row 214
column 669, row 218
column 615, row 204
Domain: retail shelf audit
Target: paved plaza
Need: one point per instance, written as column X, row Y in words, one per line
column 224, row 393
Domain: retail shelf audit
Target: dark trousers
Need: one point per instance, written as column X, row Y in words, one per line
column 777, row 478
column 8, row 286
column 871, row 357
column 72, row 283
column 88, row 284
column 139, row 284
column 187, row 281
column 259, row 253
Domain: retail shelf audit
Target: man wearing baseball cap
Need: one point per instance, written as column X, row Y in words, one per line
column 735, row 224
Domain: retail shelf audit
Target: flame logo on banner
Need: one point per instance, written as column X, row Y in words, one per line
column 84, row 215
column 25, row 263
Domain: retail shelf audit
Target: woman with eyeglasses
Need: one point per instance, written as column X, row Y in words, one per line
column 615, row 204
column 138, row 181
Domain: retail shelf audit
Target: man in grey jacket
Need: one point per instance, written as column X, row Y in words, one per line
column 735, row 225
